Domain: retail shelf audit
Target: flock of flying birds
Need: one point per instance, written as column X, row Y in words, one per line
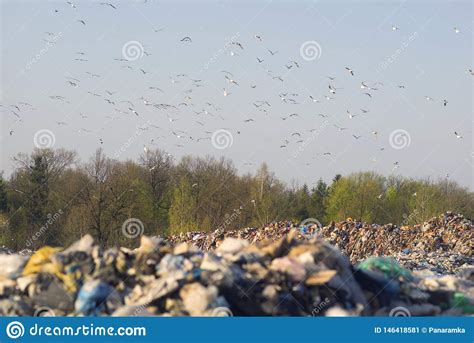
column 186, row 107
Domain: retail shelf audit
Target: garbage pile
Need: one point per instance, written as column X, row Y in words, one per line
column 444, row 244
column 278, row 277
column 446, row 233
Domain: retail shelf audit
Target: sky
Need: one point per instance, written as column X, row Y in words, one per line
column 124, row 77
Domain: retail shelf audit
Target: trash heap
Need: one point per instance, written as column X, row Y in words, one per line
column 278, row 277
column 446, row 233
column 444, row 244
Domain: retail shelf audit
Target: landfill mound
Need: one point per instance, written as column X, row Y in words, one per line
column 443, row 244
column 274, row 277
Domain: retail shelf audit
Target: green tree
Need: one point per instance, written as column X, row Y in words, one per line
column 302, row 205
column 318, row 200
column 266, row 197
column 37, row 200
column 183, row 208
column 357, row 196
column 3, row 195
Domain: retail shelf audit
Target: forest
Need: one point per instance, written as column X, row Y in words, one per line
column 52, row 198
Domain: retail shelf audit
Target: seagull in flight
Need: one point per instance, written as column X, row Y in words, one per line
column 92, row 74
column 458, row 136
column 156, row 88
column 272, row 52
column 351, row 116
column 108, row 4
column 186, row 39
column 177, row 135
column 231, row 80
column 133, row 111
column 350, row 71
column 328, row 97
column 340, row 128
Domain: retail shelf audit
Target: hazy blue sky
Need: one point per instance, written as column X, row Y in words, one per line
column 425, row 54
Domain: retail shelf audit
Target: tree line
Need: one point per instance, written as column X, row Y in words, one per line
column 52, row 198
